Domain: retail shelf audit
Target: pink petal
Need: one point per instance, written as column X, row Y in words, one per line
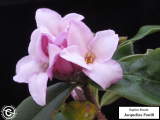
column 22, row 62
column 35, row 36
column 49, row 19
column 38, row 47
column 53, row 52
column 63, row 69
column 66, row 21
column 37, row 87
column 44, row 44
column 35, row 46
column 61, row 39
column 79, row 34
column 104, row 44
column 73, row 54
column 73, row 16
column 105, row 73
column 25, row 68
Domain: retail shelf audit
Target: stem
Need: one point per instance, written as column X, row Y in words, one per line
column 89, row 96
column 101, row 116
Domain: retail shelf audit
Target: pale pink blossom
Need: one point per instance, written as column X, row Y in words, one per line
column 61, row 45
column 43, row 60
column 93, row 53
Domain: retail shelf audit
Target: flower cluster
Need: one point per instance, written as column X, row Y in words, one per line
column 61, row 46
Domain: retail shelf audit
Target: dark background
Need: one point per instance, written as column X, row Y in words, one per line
column 17, row 22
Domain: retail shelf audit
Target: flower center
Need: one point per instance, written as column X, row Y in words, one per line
column 89, row 58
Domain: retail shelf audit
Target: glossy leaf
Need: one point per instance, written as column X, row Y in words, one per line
column 56, row 102
column 126, row 47
column 124, row 50
column 95, row 93
column 109, row 97
column 141, row 81
column 28, row 108
column 144, row 31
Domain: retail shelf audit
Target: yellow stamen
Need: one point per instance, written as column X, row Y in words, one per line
column 89, row 58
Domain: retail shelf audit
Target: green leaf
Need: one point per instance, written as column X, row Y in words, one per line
column 109, row 97
column 56, row 102
column 123, row 50
column 141, row 81
column 144, row 31
column 28, row 108
column 95, row 92
column 126, row 48
column 77, row 110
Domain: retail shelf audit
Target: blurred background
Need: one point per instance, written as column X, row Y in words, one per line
column 17, row 22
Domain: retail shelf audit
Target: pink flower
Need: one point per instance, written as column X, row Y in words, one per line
column 43, row 60
column 55, row 28
column 93, row 53
column 60, row 46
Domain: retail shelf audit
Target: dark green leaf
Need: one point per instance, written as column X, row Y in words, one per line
column 56, row 102
column 124, row 50
column 28, row 108
column 141, row 81
column 109, row 97
column 95, row 92
column 144, row 31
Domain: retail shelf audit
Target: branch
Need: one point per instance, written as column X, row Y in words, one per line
column 89, row 96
